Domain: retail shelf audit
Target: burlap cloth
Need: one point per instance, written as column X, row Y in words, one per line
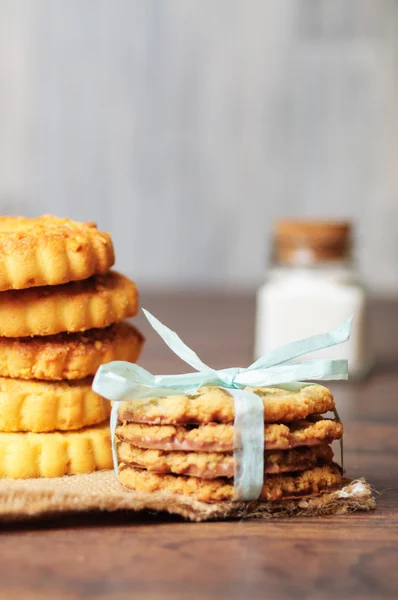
column 26, row 499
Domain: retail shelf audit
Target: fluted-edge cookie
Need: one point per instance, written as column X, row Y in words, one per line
column 50, row 251
column 26, row 455
column 76, row 306
column 68, row 355
column 41, row 406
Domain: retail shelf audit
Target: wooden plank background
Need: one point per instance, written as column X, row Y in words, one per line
column 185, row 127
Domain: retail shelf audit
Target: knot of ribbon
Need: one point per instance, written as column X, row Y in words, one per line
column 120, row 381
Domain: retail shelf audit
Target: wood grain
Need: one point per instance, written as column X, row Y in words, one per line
column 159, row 557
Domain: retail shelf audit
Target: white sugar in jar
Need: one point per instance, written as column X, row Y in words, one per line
column 312, row 286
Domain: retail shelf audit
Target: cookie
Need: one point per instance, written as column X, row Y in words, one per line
column 213, row 404
column 25, row 455
column 216, row 437
column 68, row 355
column 209, row 465
column 41, row 406
column 76, row 306
column 50, row 251
column 276, row 487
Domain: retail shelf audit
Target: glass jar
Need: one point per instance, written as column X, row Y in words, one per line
column 312, row 286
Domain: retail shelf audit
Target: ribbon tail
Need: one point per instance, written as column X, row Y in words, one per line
column 248, row 444
column 295, row 349
column 175, row 343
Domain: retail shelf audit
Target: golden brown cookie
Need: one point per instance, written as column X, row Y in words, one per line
column 41, row 406
column 25, row 455
column 216, row 437
column 209, row 465
column 50, row 251
column 68, row 355
column 213, row 404
column 276, row 487
column 76, row 306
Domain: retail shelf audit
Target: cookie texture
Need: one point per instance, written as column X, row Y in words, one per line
column 209, row 465
column 76, row 306
column 68, row 355
column 25, row 455
column 41, row 406
column 276, row 487
column 213, row 404
column 216, row 437
column 50, row 251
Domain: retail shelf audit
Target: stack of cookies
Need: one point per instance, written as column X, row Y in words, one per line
column 61, row 317
column 184, row 444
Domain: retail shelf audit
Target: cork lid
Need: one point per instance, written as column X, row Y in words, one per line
column 307, row 241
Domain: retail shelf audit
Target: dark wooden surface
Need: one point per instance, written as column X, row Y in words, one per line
column 158, row 557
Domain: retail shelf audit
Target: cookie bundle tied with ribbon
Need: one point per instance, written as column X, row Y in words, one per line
column 62, row 314
column 237, row 434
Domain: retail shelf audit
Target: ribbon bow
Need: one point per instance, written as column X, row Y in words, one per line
column 121, row 381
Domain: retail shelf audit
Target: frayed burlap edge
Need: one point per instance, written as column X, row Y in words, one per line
column 37, row 498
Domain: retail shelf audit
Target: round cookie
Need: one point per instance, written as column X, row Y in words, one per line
column 209, row 465
column 50, row 251
column 213, row 404
column 40, row 406
column 215, row 437
column 25, row 455
column 76, row 306
column 276, row 487
column 68, row 355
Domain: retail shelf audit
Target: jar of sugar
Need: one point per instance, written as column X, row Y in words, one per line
column 312, row 286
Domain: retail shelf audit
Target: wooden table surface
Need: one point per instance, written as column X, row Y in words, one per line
column 160, row 557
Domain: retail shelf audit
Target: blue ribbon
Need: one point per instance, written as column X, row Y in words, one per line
column 121, row 381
